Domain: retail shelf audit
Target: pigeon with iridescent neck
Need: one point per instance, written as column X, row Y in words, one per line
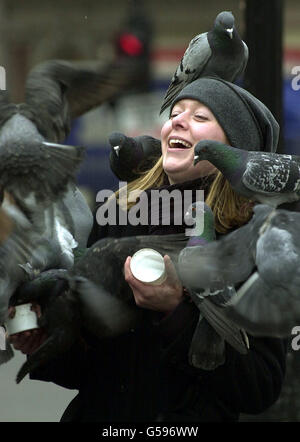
column 207, row 350
column 265, row 177
column 219, row 53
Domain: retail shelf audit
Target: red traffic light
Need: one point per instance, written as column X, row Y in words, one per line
column 130, row 44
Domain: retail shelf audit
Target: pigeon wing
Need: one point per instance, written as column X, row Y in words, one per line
column 204, row 266
column 191, row 65
column 271, row 173
column 225, row 327
column 245, row 61
column 58, row 91
column 207, row 349
column 254, row 310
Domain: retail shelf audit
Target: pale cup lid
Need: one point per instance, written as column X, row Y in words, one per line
column 147, row 265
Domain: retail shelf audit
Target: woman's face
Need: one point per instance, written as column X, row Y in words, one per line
column 190, row 122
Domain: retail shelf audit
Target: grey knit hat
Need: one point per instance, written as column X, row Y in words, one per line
column 246, row 121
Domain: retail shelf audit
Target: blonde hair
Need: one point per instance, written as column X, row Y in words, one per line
column 230, row 209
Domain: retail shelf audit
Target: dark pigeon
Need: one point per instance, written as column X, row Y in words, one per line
column 93, row 294
column 35, row 168
column 268, row 303
column 261, row 259
column 265, row 177
column 219, row 53
column 19, row 244
column 39, row 172
column 207, row 350
column 130, row 156
column 228, row 261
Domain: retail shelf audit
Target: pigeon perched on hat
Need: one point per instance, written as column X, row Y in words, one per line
column 219, row 52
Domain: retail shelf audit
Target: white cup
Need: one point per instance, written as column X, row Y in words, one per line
column 147, row 265
column 24, row 319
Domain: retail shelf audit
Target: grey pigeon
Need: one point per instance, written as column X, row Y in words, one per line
column 261, row 259
column 94, row 294
column 228, row 261
column 268, row 303
column 19, row 245
column 207, row 350
column 219, row 53
column 265, row 177
column 96, row 291
column 130, row 156
column 35, row 169
column 58, row 91
column 39, row 172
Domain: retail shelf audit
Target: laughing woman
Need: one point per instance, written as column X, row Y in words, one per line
column 145, row 374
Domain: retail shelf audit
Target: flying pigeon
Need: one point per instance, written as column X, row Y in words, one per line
column 38, row 174
column 265, row 177
column 219, row 53
column 207, row 350
column 102, row 301
column 268, row 302
column 39, row 171
column 261, row 260
column 75, row 88
column 35, row 168
column 97, row 291
column 33, row 163
column 132, row 155
column 22, row 252
column 228, row 261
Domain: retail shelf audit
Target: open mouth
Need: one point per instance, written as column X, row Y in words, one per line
column 175, row 143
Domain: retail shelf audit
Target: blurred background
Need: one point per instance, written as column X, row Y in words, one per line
column 84, row 30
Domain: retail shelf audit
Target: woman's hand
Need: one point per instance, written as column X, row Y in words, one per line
column 164, row 297
column 28, row 341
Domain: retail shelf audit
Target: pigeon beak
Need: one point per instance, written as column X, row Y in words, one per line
column 230, row 32
column 196, row 159
column 116, row 149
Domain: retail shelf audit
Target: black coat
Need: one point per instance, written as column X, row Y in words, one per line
column 145, row 376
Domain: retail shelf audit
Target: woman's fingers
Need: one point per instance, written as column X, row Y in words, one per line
column 172, row 276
